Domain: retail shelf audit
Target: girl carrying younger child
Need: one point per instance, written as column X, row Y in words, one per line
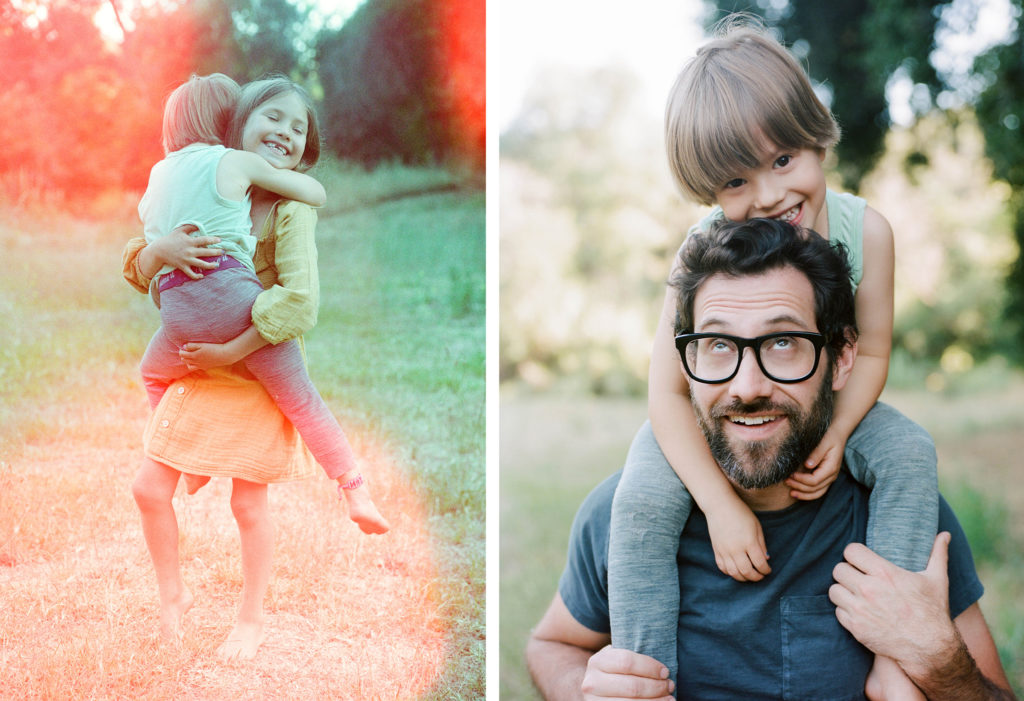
column 745, row 131
column 202, row 183
column 221, row 422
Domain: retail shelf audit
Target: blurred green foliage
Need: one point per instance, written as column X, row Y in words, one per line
column 404, row 79
column 96, row 103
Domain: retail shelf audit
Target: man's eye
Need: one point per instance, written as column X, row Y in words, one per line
column 783, row 161
column 733, row 184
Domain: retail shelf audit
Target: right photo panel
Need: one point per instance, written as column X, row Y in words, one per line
column 761, row 386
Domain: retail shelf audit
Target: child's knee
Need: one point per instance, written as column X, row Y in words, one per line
column 149, row 495
column 248, row 510
column 884, row 428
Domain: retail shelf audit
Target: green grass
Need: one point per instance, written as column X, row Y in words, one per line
column 554, row 450
column 400, row 343
column 398, row 352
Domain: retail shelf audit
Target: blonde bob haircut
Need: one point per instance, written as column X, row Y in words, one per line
column 199, row 111
column 741, row 90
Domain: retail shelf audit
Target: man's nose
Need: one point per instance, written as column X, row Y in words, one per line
column 750, row 382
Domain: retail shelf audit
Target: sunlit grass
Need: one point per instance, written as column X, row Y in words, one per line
column 348, row 616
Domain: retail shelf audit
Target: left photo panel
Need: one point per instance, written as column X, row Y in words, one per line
column 242, row 423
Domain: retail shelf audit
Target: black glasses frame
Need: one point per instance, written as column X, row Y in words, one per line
column 683, row 340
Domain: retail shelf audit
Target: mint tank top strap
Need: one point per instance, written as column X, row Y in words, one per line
column 846, row 226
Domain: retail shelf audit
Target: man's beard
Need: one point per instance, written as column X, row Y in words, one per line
column 757, row 465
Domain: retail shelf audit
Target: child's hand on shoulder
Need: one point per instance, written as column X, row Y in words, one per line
column 738, row 542
column 819, row 471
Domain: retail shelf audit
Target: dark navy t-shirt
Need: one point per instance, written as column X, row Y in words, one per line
column 774, row 639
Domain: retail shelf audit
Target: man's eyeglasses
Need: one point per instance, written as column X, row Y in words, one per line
column 712, row 358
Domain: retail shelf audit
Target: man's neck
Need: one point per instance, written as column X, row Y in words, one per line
column 774, row 498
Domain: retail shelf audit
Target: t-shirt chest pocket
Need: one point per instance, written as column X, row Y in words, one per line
column 820, row 659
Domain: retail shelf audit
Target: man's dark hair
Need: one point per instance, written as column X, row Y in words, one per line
column 756, row 246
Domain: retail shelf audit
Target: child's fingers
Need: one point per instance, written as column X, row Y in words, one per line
column 202, row 251
column 747, row 571
column 808, row 495
column 801, row 477
column 815, row 479
column 759, row 562
column 189, row 351
column 813, row 459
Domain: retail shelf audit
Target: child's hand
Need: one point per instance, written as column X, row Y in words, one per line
column 738, row 542
column 819, row 471
column 203, row 356
column 184, row 252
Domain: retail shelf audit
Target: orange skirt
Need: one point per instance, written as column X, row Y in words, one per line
column 220, row 424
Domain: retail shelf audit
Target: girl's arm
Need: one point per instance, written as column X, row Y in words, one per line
column 736, row 535
column 240, row 170
column 203, row 356
column 288, row 308
column 874, row 309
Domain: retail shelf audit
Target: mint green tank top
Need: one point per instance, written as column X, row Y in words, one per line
column 183, row 190
column 845, row 225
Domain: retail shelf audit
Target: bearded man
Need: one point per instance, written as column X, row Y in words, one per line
column 766, row 330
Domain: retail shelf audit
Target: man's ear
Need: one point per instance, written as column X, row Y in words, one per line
column 844, row 363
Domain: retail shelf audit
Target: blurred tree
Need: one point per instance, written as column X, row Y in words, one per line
column 94, row 107
column 405, row 80
column 63, row 89
column 1000, row 110
column 589, row 224
column 273, row 36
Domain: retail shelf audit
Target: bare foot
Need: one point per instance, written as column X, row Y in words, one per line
column 171, row 615
column 243, row 642
column 363, row 511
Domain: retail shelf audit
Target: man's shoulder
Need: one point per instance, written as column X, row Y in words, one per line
column 584, row 585
column 596, row 508
column 591, row 528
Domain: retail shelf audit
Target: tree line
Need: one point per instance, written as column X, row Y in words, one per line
column 400, row 80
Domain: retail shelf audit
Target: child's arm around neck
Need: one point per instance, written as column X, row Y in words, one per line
column 240, row 170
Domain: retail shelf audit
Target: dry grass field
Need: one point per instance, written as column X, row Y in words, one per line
column 350, row 616
column 399, row 616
